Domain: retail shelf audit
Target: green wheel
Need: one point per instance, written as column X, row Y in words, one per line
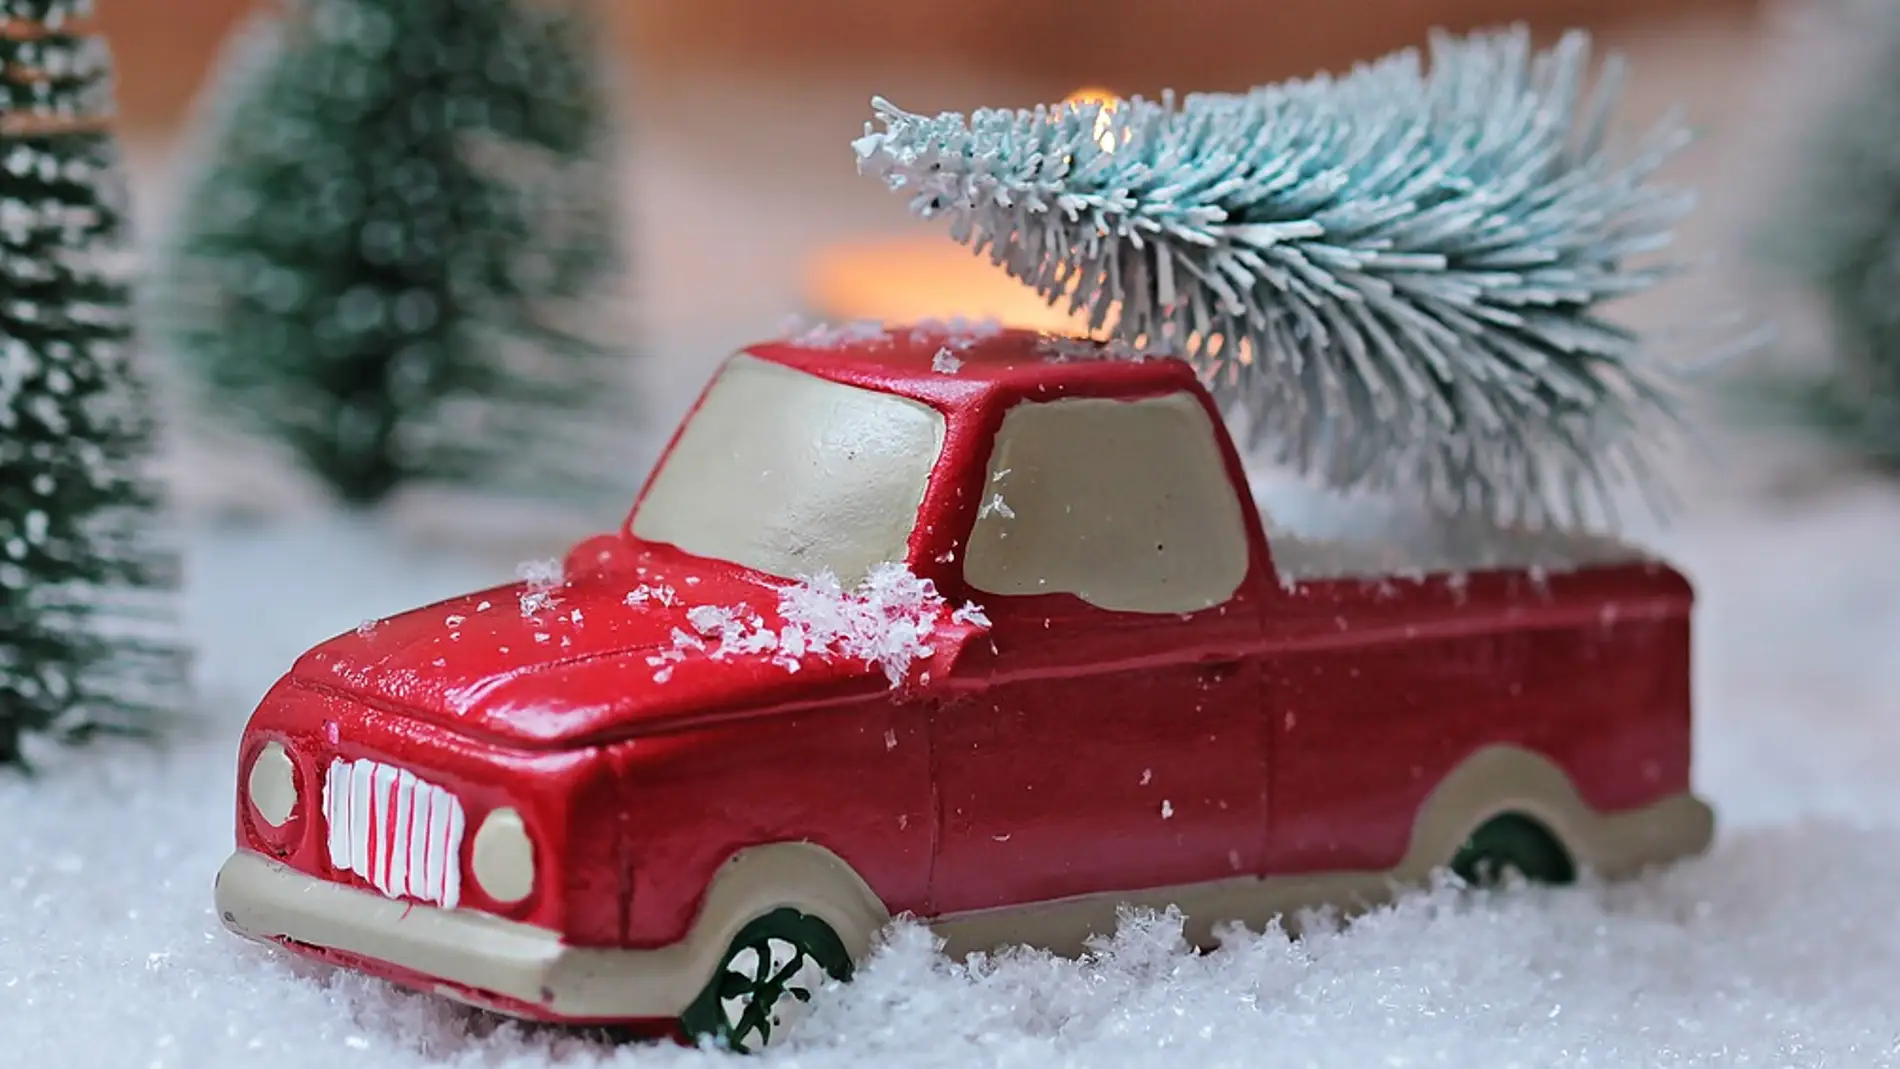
column 766, row 981
column 1512, row 843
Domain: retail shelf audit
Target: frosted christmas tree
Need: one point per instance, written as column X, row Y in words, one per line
column 400, row 256
column 85, row 644
column 1393, row 278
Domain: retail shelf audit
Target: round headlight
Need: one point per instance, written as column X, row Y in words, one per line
column 503, row 858
column 273, row 785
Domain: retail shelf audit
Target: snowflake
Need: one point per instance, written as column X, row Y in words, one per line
column 945, row 362
column 886, row 622
column 658, row 594
column 738, row 630
column 995, row 504
column 542, row 577
column 971, row 614
column 837, row 335
column 957, row 332
column 1061, row 349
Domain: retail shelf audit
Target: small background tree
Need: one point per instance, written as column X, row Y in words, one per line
column 399, row 252
column 85, row 589
column 1396, row 278
column 1836, row 235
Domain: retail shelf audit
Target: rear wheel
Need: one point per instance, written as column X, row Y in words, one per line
column 1509, row 843
column 766, row 981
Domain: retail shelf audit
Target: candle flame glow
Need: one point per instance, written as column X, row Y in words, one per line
column 909, row 279
column 1104, row 118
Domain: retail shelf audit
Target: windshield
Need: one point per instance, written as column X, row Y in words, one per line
column 791, row 474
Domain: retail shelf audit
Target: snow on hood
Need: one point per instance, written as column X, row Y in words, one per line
column 553, row 659
column 887, row 623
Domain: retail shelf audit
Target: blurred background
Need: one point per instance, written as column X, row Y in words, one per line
column 746, row 206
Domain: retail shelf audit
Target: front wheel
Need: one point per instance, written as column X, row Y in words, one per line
column 1512, row 843
column 766, row 981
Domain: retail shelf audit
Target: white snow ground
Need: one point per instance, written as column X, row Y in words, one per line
column 1781, row 948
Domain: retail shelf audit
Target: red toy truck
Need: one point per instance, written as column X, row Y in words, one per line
column 977, row 627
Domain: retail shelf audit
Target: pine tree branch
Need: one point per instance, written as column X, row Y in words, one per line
column 1395, row 276
column 89, row 642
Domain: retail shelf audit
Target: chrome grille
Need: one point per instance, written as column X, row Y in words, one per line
column 393, row 829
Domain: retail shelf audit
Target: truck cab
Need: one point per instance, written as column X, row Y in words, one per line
column 976, row 626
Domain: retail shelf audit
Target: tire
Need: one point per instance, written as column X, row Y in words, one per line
column 1510, row 843
column 766, row 981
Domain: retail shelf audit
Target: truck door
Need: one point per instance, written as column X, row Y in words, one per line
column 1117, row 745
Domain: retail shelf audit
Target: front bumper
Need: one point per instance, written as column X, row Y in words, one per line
column 497, row 964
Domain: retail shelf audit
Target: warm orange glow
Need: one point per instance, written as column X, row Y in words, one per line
column 1103, row 118
column 925, row 277
column 904, row 280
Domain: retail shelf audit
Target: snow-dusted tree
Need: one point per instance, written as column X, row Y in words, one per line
column 1838, row 236
column 401, row 251
column 1396, row 276
column 85, row 591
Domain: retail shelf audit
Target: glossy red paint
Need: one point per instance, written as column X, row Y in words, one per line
column 573, row 671
column 1068, row 750
column 1375, row 697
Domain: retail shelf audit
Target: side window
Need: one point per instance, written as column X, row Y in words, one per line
column 1125, row 504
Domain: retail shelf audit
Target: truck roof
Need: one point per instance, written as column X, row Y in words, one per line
column 1313, row 533
column 954, row 366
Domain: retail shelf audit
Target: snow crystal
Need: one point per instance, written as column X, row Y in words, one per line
column 886, row 622
column 995, row 506
column 840, row 335
column 543, row 578
column 956, row 332
column 659, row 594
column 972, row 615
column 1063, row 349
column 945, row 362
column 733, row 632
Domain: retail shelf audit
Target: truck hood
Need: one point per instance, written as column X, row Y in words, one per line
column 599, row 656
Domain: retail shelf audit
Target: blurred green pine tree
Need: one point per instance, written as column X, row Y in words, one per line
column 1838, row 237
column 400, row 252
column 86, row 611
